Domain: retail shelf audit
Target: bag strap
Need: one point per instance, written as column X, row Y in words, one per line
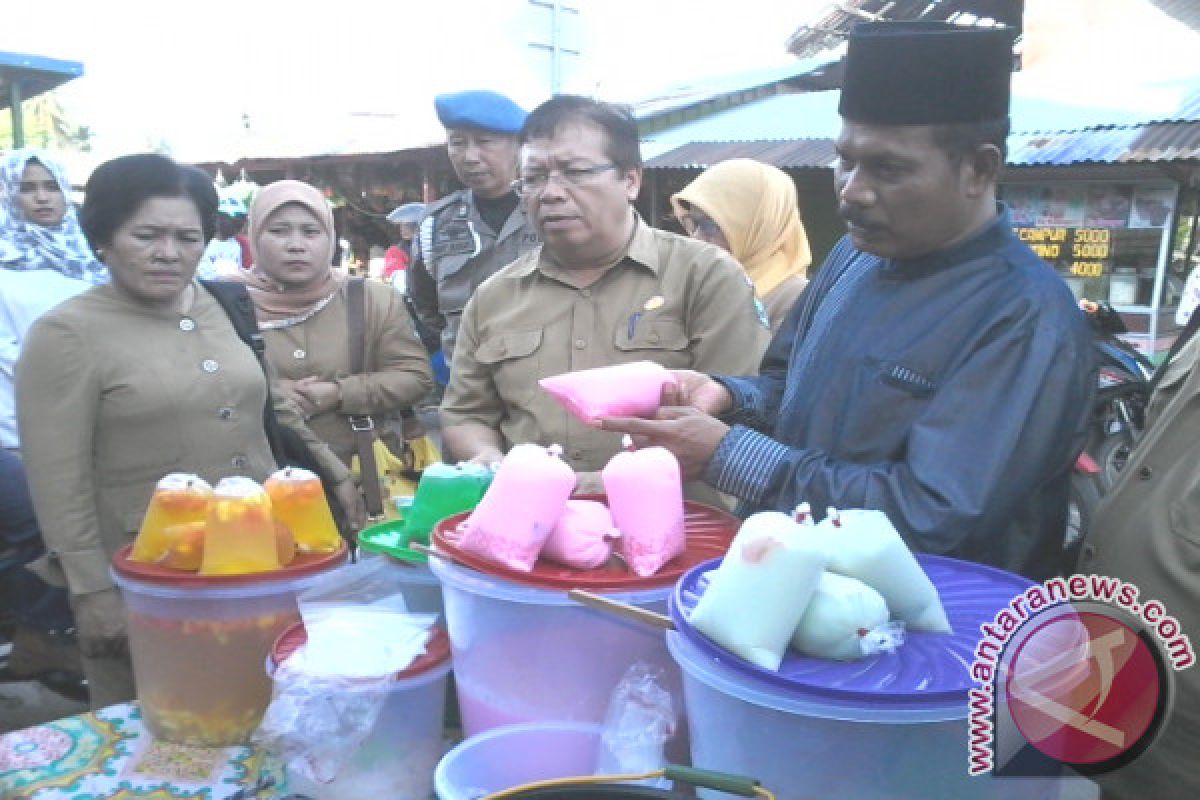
column 235, row 300
column 362, row 424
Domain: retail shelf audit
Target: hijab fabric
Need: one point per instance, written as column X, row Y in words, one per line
column 26, row 245
column 755, row 206
column 277, row 306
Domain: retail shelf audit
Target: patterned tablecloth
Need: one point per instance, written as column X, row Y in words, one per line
column 108, row 755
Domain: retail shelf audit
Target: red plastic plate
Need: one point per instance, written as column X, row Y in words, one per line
column 709, row 532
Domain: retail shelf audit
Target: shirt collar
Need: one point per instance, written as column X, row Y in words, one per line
column 994, row 236
column 642, row 250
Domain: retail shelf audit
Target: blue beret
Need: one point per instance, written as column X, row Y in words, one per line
column 480, row 108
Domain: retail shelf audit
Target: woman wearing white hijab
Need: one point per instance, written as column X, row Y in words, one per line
column 44, row 259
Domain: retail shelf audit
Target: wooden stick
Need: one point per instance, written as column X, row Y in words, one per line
column 642, row 615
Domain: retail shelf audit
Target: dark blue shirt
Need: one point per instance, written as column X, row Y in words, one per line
column 950, row 392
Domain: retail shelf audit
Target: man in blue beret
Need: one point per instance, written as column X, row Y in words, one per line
column 471, row 233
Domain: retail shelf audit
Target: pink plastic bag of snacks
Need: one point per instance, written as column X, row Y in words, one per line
column 520, row 508
column 583, row 537
column 623, row 390
column 645, row 496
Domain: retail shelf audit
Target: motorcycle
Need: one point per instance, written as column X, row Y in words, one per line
column 1122, row 394
column 1118, row 418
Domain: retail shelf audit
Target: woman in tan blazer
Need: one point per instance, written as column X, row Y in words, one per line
column 129, row 381
column 302, row 307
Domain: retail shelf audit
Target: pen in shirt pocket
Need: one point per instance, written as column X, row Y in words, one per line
column 633, row 321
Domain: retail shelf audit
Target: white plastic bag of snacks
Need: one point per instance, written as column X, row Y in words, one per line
column 863, row 544
column 755, row 599
column 846, row 620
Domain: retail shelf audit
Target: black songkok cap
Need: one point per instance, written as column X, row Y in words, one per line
column 926, row 73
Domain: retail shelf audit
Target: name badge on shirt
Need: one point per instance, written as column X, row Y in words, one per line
column 456, row 238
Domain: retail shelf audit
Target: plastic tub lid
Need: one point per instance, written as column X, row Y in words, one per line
column 437, row 650
column 389, row 538
column 709, row 532
column 302, row 566
column 929, row 671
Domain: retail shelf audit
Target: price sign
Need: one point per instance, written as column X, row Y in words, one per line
column 1084, row 252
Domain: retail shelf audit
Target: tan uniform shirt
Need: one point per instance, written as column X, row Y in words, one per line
column 673, row 300
column 1146, row 532
column 112, row 396
column 397, row 367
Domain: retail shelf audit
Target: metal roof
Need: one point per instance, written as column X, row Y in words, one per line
column 33, row 74
column 681, row 96
column 793, row 154
column 1154, row 142
column 785, row 117
column 796, row 130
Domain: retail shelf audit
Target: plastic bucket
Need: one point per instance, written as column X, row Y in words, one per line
column 398, row 757
column 890, row 726
column 529, row 655
column 198, row 644
column 514, row 755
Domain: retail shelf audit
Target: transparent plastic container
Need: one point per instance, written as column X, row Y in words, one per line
column 397, row 759
column 888, row 726
column 198, row 644
column 529, row 655
column 513, row 755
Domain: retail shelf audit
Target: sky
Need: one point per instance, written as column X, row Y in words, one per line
column 202, row 78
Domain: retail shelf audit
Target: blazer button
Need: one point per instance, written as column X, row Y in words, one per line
column 225, row 413
column 1088, row 553
column 1145, row 473
column 186, row 324
column 580, row 344
column 239, row 462
column 209, row 365
column 299, row 354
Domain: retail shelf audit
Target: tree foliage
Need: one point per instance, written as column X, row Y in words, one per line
column 46, row 124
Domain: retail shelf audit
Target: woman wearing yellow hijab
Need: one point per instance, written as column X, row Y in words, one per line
column 750, row 209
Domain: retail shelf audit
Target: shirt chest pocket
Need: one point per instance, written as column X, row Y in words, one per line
column 663, row 341
column 514, row 359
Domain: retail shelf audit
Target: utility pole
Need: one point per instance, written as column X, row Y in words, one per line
column 555, row 45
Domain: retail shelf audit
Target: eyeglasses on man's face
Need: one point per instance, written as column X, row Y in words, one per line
column 533, row 182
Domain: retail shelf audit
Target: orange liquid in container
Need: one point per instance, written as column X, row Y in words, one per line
column 298, row 501
column 240, row 535
column 178, row 499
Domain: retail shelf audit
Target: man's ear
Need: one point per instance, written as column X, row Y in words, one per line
column 633, row 182
column 982, row 169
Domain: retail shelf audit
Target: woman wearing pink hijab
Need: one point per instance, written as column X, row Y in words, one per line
column 302, row 307
column 750, row 209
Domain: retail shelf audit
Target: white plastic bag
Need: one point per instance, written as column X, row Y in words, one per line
column 846, row 620
column 755, row 599
column 863, row 544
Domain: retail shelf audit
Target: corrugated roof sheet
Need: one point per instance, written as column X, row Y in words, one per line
column 793, row 154
column 681, row 96
column 1154, row 142
column 796, row 130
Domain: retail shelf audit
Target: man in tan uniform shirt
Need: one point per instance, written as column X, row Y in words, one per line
column 604, row 288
